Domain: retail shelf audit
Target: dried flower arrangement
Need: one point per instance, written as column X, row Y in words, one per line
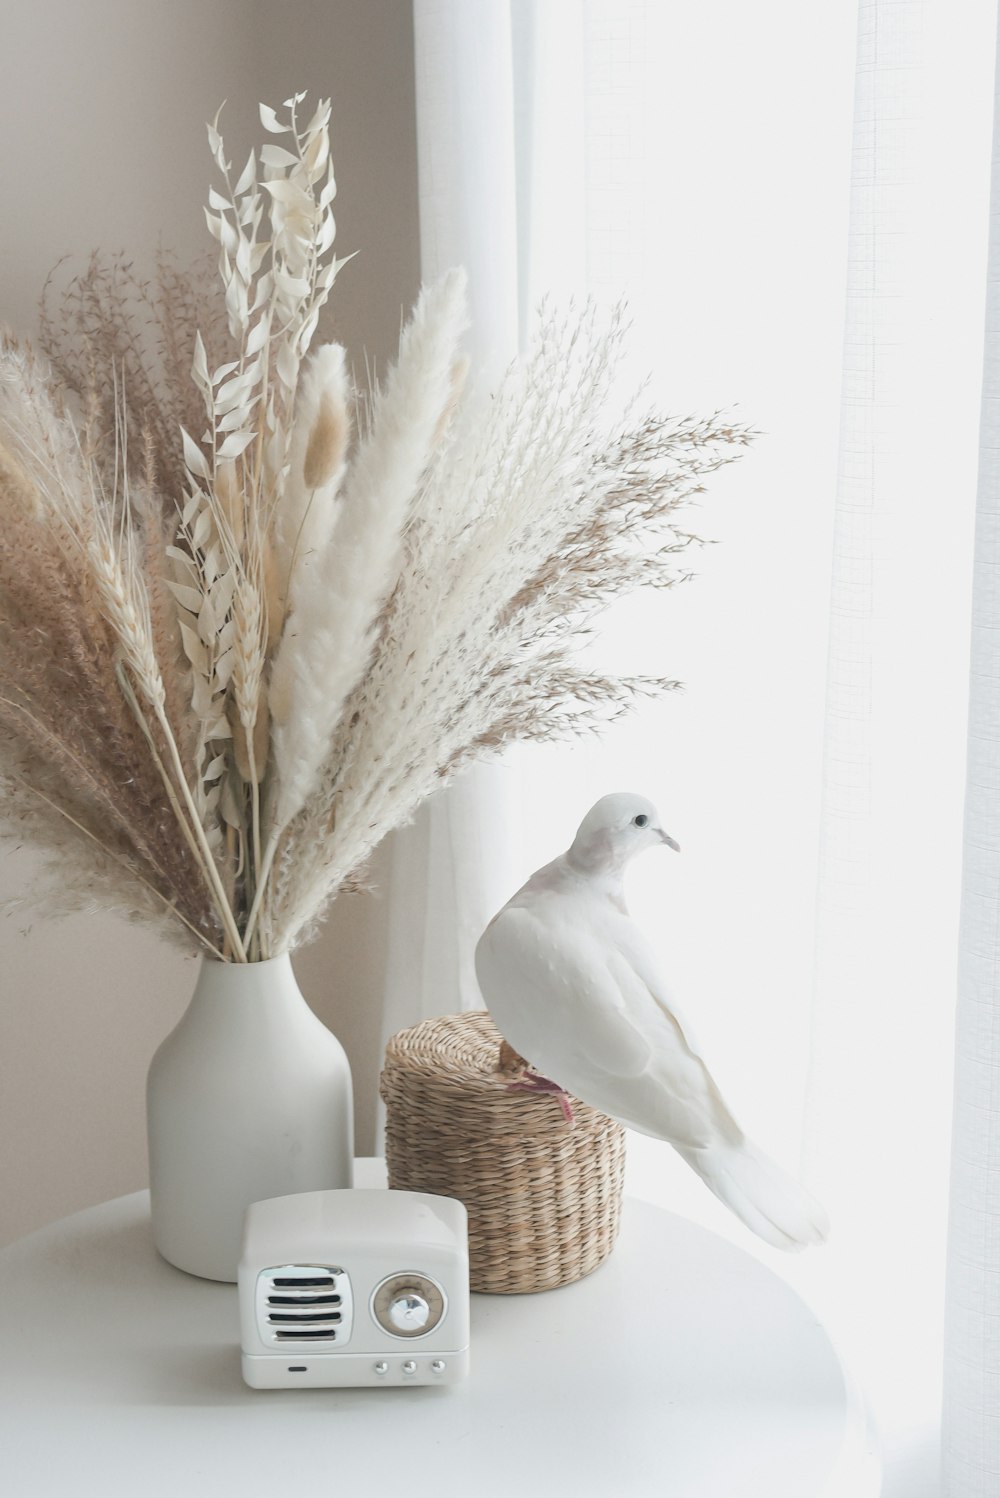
column 245, row 633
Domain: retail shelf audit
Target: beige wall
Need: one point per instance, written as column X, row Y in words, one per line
column 102, row 110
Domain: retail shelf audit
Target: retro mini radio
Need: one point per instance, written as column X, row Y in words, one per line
column 346, row 1288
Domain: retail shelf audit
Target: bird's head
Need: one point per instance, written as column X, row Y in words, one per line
column 616, row 828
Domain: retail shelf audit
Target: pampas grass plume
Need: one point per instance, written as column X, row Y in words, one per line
column 321, row 433
column 327, row 443
column 335, row 605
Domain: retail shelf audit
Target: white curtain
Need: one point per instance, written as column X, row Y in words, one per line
column 971, row 1430
column 745, row 175
column 878, row 1097
column 450, row 871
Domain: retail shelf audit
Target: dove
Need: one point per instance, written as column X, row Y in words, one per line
column 574, row 988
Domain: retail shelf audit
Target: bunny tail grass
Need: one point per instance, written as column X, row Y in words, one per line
column 763, row 1196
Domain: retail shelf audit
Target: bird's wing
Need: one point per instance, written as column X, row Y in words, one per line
column 548, row 987
column 677, row 1097
column 566, row 995
column 636, row 951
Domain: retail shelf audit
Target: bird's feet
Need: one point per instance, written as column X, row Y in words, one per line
column 526, row 1080
column 532, row 1082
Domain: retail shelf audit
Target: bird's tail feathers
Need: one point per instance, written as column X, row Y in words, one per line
column 769, row 1201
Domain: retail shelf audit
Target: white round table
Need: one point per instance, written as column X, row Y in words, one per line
column 682, row 1367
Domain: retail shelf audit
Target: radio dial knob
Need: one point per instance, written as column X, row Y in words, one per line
column 408, row 1304
column 409, row 1312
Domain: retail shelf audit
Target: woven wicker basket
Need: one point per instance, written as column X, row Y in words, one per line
column 543, row 1195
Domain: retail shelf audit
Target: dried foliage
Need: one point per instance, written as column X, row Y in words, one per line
column 111, row 329
column 241, row 642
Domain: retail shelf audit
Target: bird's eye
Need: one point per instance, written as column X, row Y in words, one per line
column 640, row 820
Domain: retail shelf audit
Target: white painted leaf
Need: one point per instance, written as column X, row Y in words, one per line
column 214, row 225
column 199, row 366
column 320, row 119
column 189, row 598
column 227, row 235
column 193, row 456
column 183, row 561
column 216, row 200
column 236, row 443
column 192, row 506
column 227, row 634
column 202, row 529
column 194, row 649
column 315, row 156
column 210, row 563
column 327, row 234
column 257, row 336
column 236, row 306
column 277, row 156
column 270, row 121
column 237, row 387
column 265, row 286
column 215, row 768
column 327, row 276
column 287, row 192
column 292, row 286
column 224, row 668
column 208, row 624
column 308, row 329
column 228, row 809
column 287, row 366
column 238, row 416
column 201, row 693
column 222, row 597
column 253, row 370
column 211, row 616
column 246, row 176
column 208, row 796
column 243, row 253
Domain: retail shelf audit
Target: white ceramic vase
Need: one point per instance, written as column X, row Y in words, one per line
column 248, row 1098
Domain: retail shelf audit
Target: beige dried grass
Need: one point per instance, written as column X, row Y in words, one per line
column 240, row 644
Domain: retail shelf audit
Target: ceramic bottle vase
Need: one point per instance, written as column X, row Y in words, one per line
column 248, row 1098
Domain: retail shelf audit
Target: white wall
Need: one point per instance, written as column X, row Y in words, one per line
column 102, row 111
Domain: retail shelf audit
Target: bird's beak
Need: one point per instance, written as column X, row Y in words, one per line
column 669, row 840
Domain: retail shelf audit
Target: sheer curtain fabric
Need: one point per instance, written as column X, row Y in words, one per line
column 794, row 202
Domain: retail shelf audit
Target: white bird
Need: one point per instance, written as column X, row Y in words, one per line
column 574, row 988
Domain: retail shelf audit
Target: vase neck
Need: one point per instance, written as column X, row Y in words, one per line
column 267, row 985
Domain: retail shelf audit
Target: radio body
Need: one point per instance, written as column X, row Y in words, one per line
column 349, row 1288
